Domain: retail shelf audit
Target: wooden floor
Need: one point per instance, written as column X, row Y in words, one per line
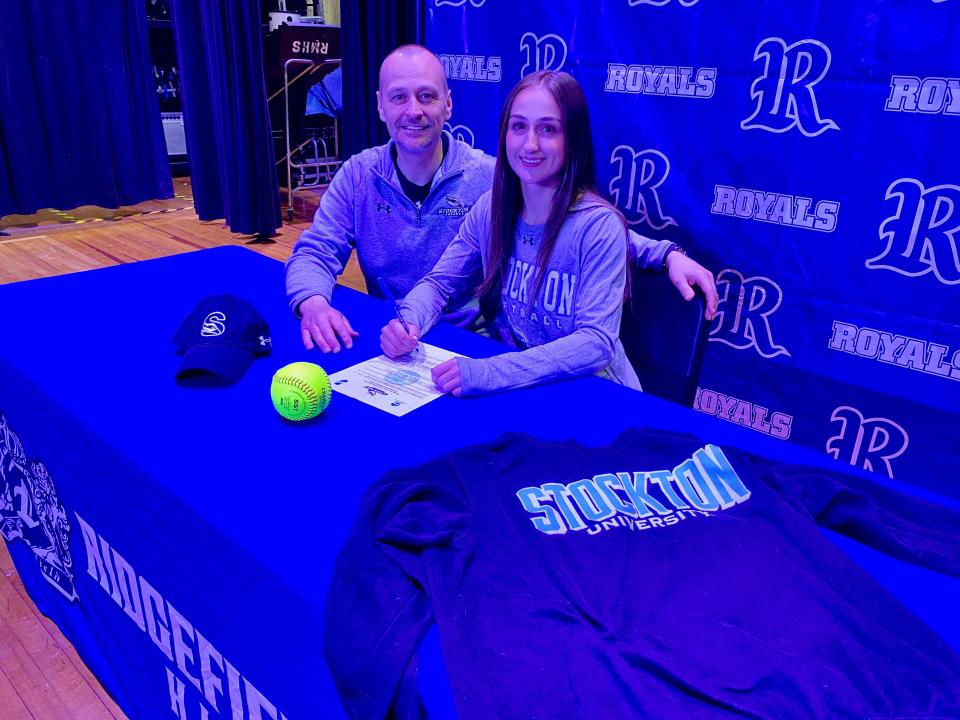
column 41, row 676
column 163, row 228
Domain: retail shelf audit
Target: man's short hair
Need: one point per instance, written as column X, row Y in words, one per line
column 410, row 50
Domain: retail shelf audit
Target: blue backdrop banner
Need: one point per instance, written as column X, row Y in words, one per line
column 807, row 153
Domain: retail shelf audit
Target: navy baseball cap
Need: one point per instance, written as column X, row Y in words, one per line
column 220, row 338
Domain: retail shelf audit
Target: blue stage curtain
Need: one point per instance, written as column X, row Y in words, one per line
column 370, row 30
column 226, row 123
column 79, row 117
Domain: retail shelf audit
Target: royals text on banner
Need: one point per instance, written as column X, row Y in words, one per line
column 808, row 154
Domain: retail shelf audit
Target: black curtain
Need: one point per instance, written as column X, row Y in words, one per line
column 371, row 29
column 79, row 115
column 226, row 123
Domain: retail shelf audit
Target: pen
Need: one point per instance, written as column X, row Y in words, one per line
column 393, row 301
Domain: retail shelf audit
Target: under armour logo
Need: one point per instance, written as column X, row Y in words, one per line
column 634, row 187
column 542, row 53
column 383, row 207
column 868, row 443
column 461, row 133
column 784, row 91
column 921, row 235
column 528, row 239
column 743, row 316
column 265, row 341
column 214, row 324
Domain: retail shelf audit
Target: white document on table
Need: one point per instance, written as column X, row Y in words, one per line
column 396, row 386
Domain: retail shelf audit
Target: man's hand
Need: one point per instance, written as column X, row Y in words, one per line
column 324, row 326
column 685, row 273
column 446, row 376
column 396, row 342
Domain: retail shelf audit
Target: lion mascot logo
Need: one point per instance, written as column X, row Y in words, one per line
column 31, row 512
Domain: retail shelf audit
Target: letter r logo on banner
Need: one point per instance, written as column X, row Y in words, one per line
column 634, row 187
column 461, row 133
column 542, row 53
column 743, row 316
column 869, row 443
column 923, row 234
column 784, row 92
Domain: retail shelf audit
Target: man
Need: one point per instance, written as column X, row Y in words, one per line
column 401, row 204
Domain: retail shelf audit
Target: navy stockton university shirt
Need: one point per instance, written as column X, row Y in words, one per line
column 660, row 578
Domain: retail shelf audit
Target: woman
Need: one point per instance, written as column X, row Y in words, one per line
column 548, row 253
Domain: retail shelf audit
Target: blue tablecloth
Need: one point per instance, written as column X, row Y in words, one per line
column 202, row 527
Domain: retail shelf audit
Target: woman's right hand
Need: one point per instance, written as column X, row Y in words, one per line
column 395, row 341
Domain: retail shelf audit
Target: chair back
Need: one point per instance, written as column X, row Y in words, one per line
column 664, row 336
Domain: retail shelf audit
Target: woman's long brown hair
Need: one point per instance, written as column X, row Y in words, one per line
column 506, row 202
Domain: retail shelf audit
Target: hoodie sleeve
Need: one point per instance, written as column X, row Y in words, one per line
column 322, row 251
column 900, row 525
column 647, row 253
column 592, row 344
column 378, row 608
column 459, row 269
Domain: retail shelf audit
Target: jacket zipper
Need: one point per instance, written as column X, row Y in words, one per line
column 417, row 206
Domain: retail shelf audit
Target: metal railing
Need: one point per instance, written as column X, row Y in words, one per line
column 315, row 169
